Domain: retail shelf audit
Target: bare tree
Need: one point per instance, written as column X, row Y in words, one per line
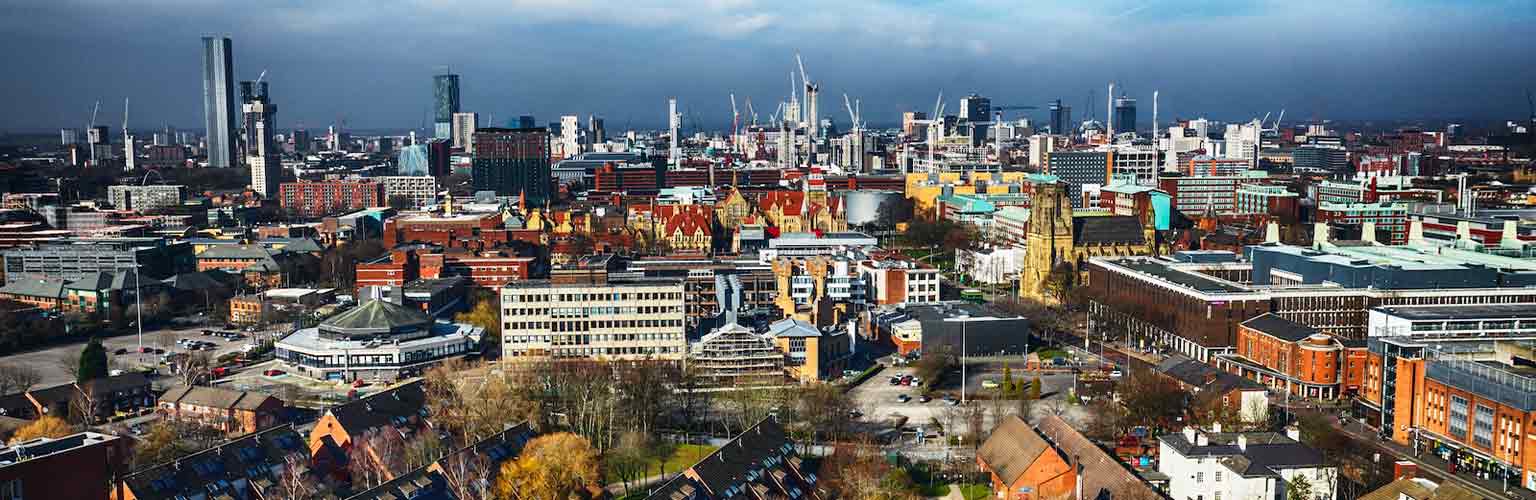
column 377, row 457
column 70, row 362
column 469, row 475
column 193, row 368
column 294, row 481
column 18, row 378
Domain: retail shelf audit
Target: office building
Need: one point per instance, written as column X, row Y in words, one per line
column 420, row 190
column 69, row 136
column 219, row 101
column 1088, row 171
column 261, row 153
column 1061, row 118
column 605, row 318
column 596, row 132
column 513, row 162
column 570, row 136
column 445, row 95
column 76, row 258
column 976, row 111
column 1125, row 115
column 1319, row 159
column 142, row 198
column 1390, row 219
column 464, row 131
column 439, row 157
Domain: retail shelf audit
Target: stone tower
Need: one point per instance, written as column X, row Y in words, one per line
column 1048, row 240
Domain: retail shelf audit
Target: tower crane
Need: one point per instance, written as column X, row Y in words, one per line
column 935, row 124
column 735, row 123
column 91, row 127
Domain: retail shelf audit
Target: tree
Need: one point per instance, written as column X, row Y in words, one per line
column 376, row 457
column 1151, row 399
column 93, row 361
column 552, row 466
column 467, row 473
column 1060, row 284
column 18, row 378
column 294, row 481
column 1034, row 388
column 484, row 313
column 192, row 369
column 1298, row 488
column 628, row 461
column 46, row 427
column 860, row 471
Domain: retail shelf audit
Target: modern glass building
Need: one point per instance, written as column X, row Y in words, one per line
column 219, row 101
column 445, row 95
column 413, row 160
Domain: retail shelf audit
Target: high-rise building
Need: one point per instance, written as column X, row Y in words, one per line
column 219, row 101
column 909, row 126
column 595, row 132
column 1061, row 118
column 171, row 137
column 413, row 160
column 631, row 319
column 69, row 136
column 261, row 153
column 513, row 162
column 149, row 197
column 439, row 154
column 445, row 93
column 464, row 131
column 976, row 111
column 570, row 135
column 1125, row 115
column 301, row 140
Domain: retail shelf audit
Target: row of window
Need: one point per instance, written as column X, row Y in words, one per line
column 591, row 297
column 589, row 325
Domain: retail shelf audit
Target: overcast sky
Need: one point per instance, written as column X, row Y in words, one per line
column 371, row 61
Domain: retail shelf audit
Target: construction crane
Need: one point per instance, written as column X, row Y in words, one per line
column 735, row 123
column 751, row 112
column 128, row 159
column 1531, row 104
column 935, row 124
column 91, row 127
column 261, row 77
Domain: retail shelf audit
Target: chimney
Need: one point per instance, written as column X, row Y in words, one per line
column 1216, row 427
column 1293, row 432
column 1077, row 475
column 1416, row 231
column 1189, row 434
column 1368, row 231
column 1242, row 442
column 1272, row 232
column 1319, row 234
column 1511, row 237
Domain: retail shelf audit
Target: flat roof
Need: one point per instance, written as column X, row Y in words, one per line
column 1178, row 276
column 1470, row 311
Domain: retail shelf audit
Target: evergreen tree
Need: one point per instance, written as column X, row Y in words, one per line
column 93, row 361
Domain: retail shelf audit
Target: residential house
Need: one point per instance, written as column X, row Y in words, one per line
column 1215, row 465
column 1101, row 476
column 402, row 408
column 104, row 397
column 249, row 466
column 1023, row 465
column 761, row 462
column 237, row 412
column 1248, row 398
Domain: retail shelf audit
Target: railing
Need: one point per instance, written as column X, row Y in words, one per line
column 1489, row 381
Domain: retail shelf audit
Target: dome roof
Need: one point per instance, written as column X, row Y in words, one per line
column 376, row 317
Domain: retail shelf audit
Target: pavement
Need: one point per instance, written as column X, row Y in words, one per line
column 50, row 362
column 1432, row 467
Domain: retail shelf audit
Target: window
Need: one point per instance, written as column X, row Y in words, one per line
column 1482, row 428
column 1458, row 425
column 1218, row 479
column 1200, row 476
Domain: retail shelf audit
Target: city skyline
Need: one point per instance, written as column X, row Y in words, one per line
column 373, row 67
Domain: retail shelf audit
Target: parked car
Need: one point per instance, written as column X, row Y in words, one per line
column 273, row 373
column 989, row 384
column 903, row 398
column 120, row 352
column 924, row 399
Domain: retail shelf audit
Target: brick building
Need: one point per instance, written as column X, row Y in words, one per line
column 78, row 466
column 237, row 412
column 321, row 198
column 1296, row 358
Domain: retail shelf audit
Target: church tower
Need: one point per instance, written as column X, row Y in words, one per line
column 1048, row 240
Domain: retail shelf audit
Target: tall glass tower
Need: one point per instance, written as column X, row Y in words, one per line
column 445, row 93
column 219, row 101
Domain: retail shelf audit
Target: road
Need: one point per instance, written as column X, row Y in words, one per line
column 54, row 363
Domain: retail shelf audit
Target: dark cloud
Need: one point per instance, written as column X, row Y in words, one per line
column 369, row 62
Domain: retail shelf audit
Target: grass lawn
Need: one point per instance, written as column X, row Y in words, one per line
column 680, row 457
column 975, row 491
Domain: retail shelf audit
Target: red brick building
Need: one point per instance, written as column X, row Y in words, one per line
column 78, row 466
column 315, row 199
column 1291, row 356
column 489, row 269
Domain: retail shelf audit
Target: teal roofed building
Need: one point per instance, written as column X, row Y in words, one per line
column 977, row 209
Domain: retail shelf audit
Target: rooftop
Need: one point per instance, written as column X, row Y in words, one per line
column 1460, row 312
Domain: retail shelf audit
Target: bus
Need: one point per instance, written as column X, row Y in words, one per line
column 972, row 295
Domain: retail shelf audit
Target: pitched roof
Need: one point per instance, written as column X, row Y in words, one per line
column 791, row 327
column 376, row 316
column 420, row 484
column 1208, row 378
column 382, row 408
column 1261, row 453
column 1012, row 447
column 236, row 252
column 758, row 463
column 1103, row 476
column 50, row 288
column 215, row 397
column 253, row 458
column 1107, row 229
column 1273, row 325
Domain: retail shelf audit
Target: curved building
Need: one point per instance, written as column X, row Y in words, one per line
column 378, row 340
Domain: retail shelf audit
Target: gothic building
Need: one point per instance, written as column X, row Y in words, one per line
column 1056, row 236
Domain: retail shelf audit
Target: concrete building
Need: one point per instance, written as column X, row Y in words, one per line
column 420, row 190
column 262, row 153
column 464, row 125
column 617, row 319
column 377, row 340
column 143, row 198
column 76, row 258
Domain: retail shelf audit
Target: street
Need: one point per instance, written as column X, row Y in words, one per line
column 55, row 364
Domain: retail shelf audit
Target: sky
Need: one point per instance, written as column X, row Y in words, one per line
column 369, row 62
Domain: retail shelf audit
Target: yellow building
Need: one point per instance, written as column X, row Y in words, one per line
column 925, row 189
column 810, row 353
column 1057, row 237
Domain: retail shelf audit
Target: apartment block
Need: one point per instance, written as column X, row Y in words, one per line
column 618, row 319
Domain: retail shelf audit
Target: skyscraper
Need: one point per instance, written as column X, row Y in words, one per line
column 261, row 153
column 445, row 93
column 1061, row 118
column 1125, row 115
column 513, row 162
column 977, row 112
column 464, row 131
column 219, row 101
